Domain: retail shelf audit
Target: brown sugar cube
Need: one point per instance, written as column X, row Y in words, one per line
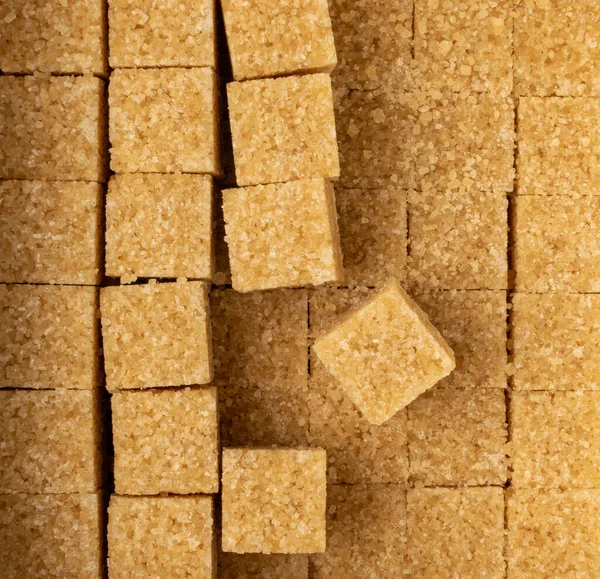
column 57, row 535
column 458, row 437
column 373, row 41
column 385, row 353
column 144, row 33
column 273, row 500
column 366, row 532
column 53, row 37
column 50, row 232
column 159, row 226
column 164, row 121
column 52, row 128
column 556, row 341
column 556, row 48
column 557, row 246
column 49, row 442
column 555, row 442
column 553, row 533
column 161, row 537
column 49, row 337
column 375, row 132
column 156, row 335
column 462, row 45
column 283, row 129
column 458, row 240
column 464, row 140
column 373, row 234
column 474, row 325
column 282, row 235
column 558, row 146
column 259, row 566
column 456, row 533
column 278, row 38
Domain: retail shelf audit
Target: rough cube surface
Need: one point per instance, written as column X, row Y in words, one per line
column 168, row 33
column 282, row 235
column 273, row 500
column 283, row 129
column 159, row 226
column 385, row 354
column 49, row 442
column 50, row 232
column 259, row 566
column 49, row 337
column 161, row 537
column 277, row 38
column 156, row 335
column 456, row 533
column 166, row 441
column 52, row 128
column 164, row 121
column 54, row 535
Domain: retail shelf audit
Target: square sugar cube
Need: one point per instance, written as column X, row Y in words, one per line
column 159, row 226
column 164, row 121
column 54, row 535
column 156, row 334
column 49, row 337
column 49, row 441
column 283, row 129
column 385, row 353
column 257, row 565
column 278, row 38
column 273, row 500
column 282, row 235
column 166, row 441
column 161, row 537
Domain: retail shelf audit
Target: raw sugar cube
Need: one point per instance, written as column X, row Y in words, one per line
column 555, row 442
column 50, row 232
column 161, row 537
column 164, row 121
column 166, row 441
column 556, row 341
column 253, row 565
column 49, row 337
column 553, row 533
column 273, row 500
column 385, row 353
column 278, row 38
column 282, row 235
column 456, row 533
column 52, row 128
column 557, row 243
column 144, row 33
column 159, row 226
column 49, row 441
column 52, row 535
column 283, row 129
column 156, row 334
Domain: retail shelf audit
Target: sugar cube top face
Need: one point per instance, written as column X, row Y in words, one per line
column 283, row 129
column 164, row 121
column 156, row 335
column 276, row 38
column 159, row 226
column 49, row 442
column 53, row 37
column 282, row 235
column 49, row 337
column 385, row 353
column 168, row 33
column 273, row 500
column 52, row 128
column 57, row 535
column 166, row 441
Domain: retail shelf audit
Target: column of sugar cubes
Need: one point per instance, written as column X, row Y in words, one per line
column 52, row 170
column 156, row 329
